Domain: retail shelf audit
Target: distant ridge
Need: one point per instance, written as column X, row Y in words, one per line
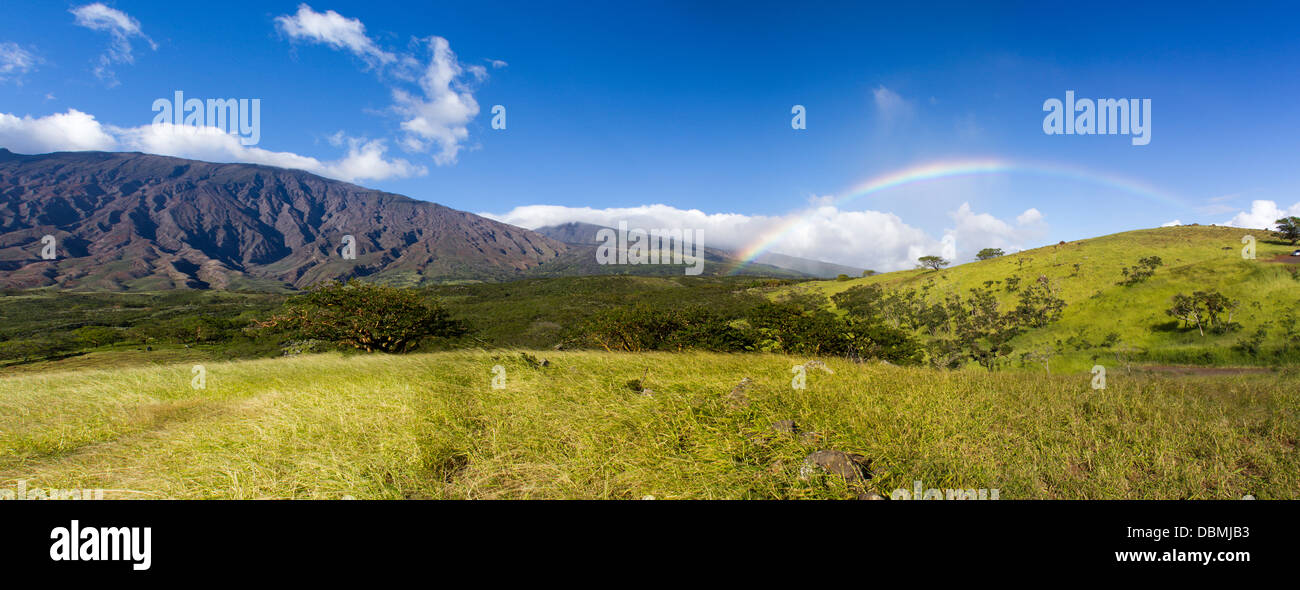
column 579, row 233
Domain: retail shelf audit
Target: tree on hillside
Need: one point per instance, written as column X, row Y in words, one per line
column 364, row 315
column 989, row 253
column 1143, row 270
column 933, row 262
column 1288, row 228
column 1204, row 309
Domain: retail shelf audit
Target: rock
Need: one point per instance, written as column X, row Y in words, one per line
column 737, row 396
column 647, row 497
column 815, row 364
column 785, row 427
column 854, row 468
column 533, row 362
column 811, row 437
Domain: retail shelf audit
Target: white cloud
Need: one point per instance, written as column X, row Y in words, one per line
column 497, row 63
column 70, row 131
column 890, row 104
column 78, row 131
column 120, row 26
column 1262, row 215
column 441, row 114
column 976, row 231
column 869, row 239
column 1030, row 216
column 1174, row 223
column 333, row 29
column 436, row 117
column 15, row 61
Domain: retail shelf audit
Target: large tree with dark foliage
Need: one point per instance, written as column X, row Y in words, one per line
column 366, row 316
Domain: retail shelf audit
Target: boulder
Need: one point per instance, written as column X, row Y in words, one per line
column 854, row 468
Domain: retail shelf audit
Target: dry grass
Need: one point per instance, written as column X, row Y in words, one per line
column 431, row 426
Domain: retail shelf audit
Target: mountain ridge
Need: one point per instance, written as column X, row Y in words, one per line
column 129, row 221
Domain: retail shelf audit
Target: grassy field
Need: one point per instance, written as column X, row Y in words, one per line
column 431, row 426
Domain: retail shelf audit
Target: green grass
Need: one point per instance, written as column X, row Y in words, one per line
column 430, row 426
column 1195, row 258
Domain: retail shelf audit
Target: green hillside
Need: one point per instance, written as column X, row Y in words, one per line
column 1085, row 274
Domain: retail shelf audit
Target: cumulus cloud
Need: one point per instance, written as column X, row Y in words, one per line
column 868, row 239
column 974, row 231
column 440, row 115
column 1029, row 217
column 1174, row 223
column 121, row 27
column 436, row 113
column 15, row 61
column 1262, row 215
column 70, row 131
column 333, row 29
column 890, row 104
column 78, row 131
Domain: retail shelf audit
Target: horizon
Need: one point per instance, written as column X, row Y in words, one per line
column 912, row 144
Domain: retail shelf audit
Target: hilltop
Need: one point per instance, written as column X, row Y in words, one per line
column 1102, row 316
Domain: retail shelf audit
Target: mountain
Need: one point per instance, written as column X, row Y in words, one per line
column 581, row 258
column 578, row 233
column 130, row 221
column 816, row 268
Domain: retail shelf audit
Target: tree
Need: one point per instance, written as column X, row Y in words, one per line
column 989, row 253
column 1186, row 309
column 868, row 272
column 933, row 262
column 1205, row 309
column 1288, row 228
column 364, row 315
column 863, row 301
column 1143, row 270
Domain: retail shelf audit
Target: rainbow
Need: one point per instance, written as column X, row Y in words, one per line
column 948, row 169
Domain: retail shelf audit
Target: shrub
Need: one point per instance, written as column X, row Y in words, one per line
column 1143, row 270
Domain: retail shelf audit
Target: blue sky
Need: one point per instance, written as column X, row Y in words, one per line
column 614, row 108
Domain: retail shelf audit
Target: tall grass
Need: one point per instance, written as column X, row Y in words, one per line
column 431, row 426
